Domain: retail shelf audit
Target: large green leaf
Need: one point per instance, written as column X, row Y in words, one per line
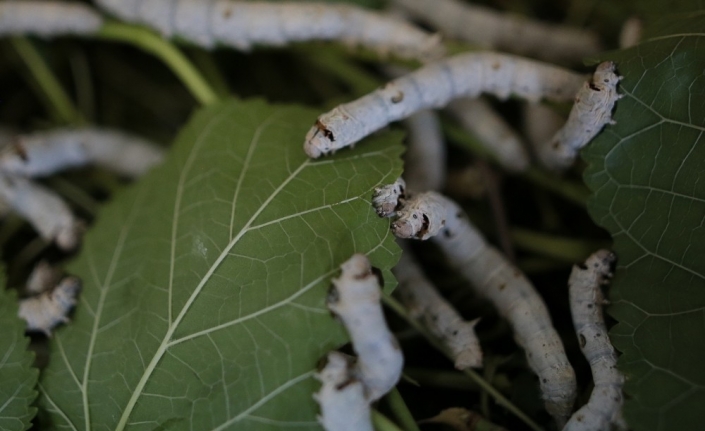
column 648, row 175
column 204, row 285
column 17, row 377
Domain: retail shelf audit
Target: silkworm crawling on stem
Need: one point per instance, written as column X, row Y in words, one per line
column 47, row 18
column 492, row 276
column 355, row 299
column 44, row 153
column 434, row 86
column 50, row 309
column 342, row 397
column 242, row 24
column 44, row 210
column 503, row 31
column 427, row 305
column 386, row 199
column 479, row 118
column 590, row 113
column 603, row 409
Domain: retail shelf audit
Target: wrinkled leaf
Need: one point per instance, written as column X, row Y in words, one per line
column 648, row 175
column 17, row 377
column 204, row 285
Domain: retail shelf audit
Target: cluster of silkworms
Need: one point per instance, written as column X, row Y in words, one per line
column 456, row 84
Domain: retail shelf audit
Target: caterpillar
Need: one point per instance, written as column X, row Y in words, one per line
column 603, row 409
column 590, row 113
column 503, row 31
column 50, row 309
column 42, row 278
column 385, row 199
column 242, row 24
column 44, row 210
column 631, row 32
column 434, row 86
column 425, row 158
column 432, row 215
column 342, row 397
column 492, row 131
column 44, row 153
column 540, row 123
column 425, row 304
column 47, row 18
column 355, row 299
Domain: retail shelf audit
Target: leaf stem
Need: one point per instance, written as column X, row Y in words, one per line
column 399, row 309
column 383, row 423
column 167, row 52
column 401, row 411
column 60, row 103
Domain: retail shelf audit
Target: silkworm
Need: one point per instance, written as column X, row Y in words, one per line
column 385, row 199
column 242, row 24
column 47, row 310
column 603, row 409
column 492, row 276
column 42, row 278
column 355, row 299
column 434, row 86
column 631, row 32
column 47, row 18
column 44, row 210
column 504, row 31
column 539, row 124
column 424, row 303
column 591, row 111
column 425, row 157
column 479, row 118
column 44, row 153
column 342, row 397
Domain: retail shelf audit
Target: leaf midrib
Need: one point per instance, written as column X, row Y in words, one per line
column 165, row 343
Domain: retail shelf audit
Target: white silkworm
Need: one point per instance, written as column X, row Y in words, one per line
column 434, row 86
column 504, row 31
column 385, row 199
column 540, row 124
column 603, row 409
column 355, row 299
column 425, row 158
column 590, row 113
column 47, row 18
column 49, row 309
column 242, row 24
column 44, row 153
column 342, row 397
column 503, row 284
column 479, row 118
column 43, row 277
column 631, row 33
column 44, row 210
column 425, row 304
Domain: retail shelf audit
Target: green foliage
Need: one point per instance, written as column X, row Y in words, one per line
column 204, row 285
column 17, row 377
column 647, row 174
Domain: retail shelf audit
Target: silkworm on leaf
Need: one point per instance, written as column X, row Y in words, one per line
column 479, row 118
column 242, row 24
column 603, row 409
column 492, row 276
column 355, row 299
column 434, row 86
column 504, row 31
column 50, row 309
column 386, row 199
column 424, row 303
column 47, row 18
column 43, row 209
column 590, row 113
column 344, row 406
column 44, row 153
